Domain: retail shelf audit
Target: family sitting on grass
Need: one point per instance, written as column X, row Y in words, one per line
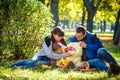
column 85, row 52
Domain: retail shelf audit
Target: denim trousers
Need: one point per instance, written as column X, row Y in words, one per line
column 99, row 62
column 28, row 63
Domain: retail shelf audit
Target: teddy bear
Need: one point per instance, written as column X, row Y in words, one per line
column 73, row 61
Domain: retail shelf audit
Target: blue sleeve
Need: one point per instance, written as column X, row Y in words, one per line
column 92, row 47
column 95, row 43
column 72, row 39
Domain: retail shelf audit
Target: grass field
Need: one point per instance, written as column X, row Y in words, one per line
column 46, row 73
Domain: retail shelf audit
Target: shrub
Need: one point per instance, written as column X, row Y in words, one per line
column 25, row 27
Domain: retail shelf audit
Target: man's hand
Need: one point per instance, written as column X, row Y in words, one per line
column 83, row 44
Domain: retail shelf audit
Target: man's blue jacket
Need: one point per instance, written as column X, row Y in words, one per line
column 93, row 44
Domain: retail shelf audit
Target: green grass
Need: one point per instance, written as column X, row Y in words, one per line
column 56, row 74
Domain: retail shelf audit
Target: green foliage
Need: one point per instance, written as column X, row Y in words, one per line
column 108, row 10
column 28, row 23
column 70, row 9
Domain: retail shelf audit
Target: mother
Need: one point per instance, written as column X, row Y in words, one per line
column 44, row 55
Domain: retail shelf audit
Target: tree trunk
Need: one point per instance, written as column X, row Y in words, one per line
column 91, row 8
column 90, row 22
column 98, row 25
column 83, row 16
column 104, row 26
column 117, row 30
column 54, row 11
column 116, row 40
column 101, row 29
column 116, row 24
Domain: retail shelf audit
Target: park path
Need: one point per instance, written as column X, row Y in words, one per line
column 101, row 36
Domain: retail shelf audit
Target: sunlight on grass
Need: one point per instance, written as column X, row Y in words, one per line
column 50, row 74
column 46, row 73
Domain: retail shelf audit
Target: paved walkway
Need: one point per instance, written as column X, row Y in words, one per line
column 101, row 36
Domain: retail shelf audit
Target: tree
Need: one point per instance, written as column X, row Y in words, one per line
column 91, row 7
column 23, row 25
column 4, row 16
column 54, row 11
column 113, row 8
column 117, row 30
column 83, row 16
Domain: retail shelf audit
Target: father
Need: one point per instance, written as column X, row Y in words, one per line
column 93, row 50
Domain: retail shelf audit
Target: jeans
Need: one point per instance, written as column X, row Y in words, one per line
column 28, row 63
column 102, row 56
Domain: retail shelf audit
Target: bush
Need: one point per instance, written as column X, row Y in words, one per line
column 25, row 26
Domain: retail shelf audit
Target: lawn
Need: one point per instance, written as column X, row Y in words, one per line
column 46, row 73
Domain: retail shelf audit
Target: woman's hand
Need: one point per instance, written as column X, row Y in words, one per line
column 71, row 52
column 68, row 54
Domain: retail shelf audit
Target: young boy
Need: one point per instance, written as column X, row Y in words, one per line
column 58, row 49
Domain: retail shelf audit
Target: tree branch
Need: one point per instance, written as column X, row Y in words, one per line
column 87, row 4
column 98, row 3
column 90, row 4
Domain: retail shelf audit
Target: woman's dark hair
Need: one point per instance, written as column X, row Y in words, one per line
column 57, row 31
column 81, row 29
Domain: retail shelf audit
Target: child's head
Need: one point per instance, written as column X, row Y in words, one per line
column 57, row 48
column 57, row 33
